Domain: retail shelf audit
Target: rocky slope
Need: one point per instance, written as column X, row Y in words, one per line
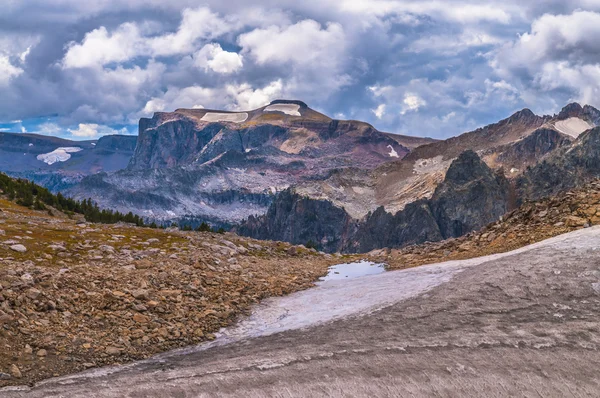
column 470, row 196
column 514, row 143
column 541, row 155
column 569, row 167
column 226, row 166
column 532, row 222
column 75, row 295
column 59, row 164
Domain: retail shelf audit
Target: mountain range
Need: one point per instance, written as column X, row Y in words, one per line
column 287, row 172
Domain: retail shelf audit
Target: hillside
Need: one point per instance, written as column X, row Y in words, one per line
column 75, row 295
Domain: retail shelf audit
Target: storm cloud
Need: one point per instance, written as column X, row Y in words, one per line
column 431, row 68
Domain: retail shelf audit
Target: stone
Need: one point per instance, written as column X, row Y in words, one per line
column 33, row 293
column 18, row 248
column 42, row 353
column 140, row 318
column 27, row 278
column 140, row 294
column 15, row 371
column 113, row 350
column 27, row 350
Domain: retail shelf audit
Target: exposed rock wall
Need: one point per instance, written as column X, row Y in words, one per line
column 470, row 197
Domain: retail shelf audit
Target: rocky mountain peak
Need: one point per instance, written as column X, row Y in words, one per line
column 525, row 113
column 571, row 110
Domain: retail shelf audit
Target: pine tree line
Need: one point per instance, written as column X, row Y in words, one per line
column 29, row 194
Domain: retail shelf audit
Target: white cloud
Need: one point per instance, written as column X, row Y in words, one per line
column 213, row 57
column 412, row 102
column 91, row 130
column 302, row 43
column 561, row 52
column 455, row 11
column 100, row 47
column 453, row 44
column 49, row 128
column 7, row 70
column 379, row 111
column 188, row 97
column 248, row 98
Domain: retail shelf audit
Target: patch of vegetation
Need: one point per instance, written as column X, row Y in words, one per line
column 28, row 194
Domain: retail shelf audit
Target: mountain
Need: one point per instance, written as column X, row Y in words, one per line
column 434, row 194
column 285, row 171
column 470, row 197
column 225, row 166
column 58, row 163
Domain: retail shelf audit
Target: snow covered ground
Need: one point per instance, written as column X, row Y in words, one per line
column 572, row 126
column 61, row 154
column 225, row 117
column 393, row 153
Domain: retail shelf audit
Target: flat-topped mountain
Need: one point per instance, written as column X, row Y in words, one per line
column 225, row 166
column 288, row 130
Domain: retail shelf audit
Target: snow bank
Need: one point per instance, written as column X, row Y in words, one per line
column 288, row 109
column 393, row 153
column 572, row 126
column 61, row 154
column 225, row 117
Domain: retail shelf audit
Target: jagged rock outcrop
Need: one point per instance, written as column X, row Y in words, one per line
column 300, row 220
column 470, row 197
column 569, row 167
column 530, row 150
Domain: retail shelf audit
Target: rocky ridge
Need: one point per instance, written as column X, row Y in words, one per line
column 532, row 222
column 470, row 196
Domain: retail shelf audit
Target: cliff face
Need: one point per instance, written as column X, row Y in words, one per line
column 300, row 220
column 569, row 167
column 193, row 158
column 470, row 197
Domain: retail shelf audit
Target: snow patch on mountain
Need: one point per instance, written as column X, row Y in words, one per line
column 393, row 153
column 225, row 117
column 288, row 109
column 572, row 126
column 61, row 154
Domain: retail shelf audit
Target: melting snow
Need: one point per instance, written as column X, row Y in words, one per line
column 61, row 154
column 225, row 117
column 572, row 126
column 393, row 153
column 353, row 270
column 288, row 109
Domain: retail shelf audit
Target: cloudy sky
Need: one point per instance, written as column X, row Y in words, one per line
column 82, row 69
